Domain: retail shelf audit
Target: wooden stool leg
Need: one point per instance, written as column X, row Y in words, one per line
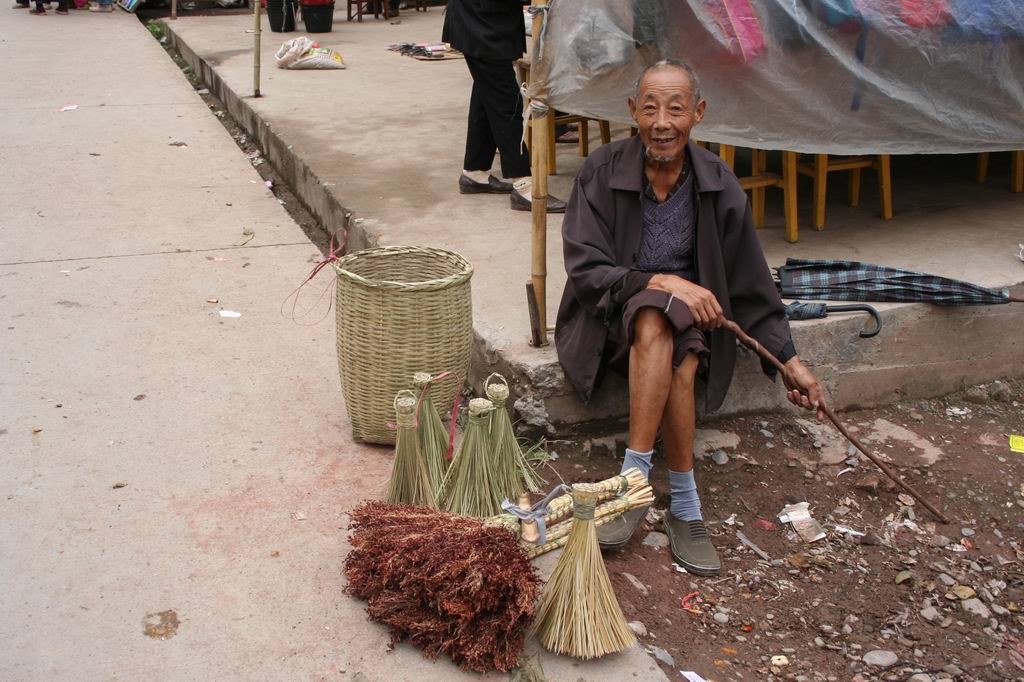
column 853, row 196
column 583, row 131
column 1017, row 171
column 885, row 185
column 758, row 165
column 728, row 154
column 552, row 152
column 981, row 168
column 789, row 194
column 820, row 189
column 606, row 131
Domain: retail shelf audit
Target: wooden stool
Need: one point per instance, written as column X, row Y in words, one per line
column 822, row 166
column 760, row 178
column 378, row 7
column 1016, row 170
column 583, row 126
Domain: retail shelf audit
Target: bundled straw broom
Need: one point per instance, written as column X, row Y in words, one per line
column 512, row 472
column 469, row 487
column 459, row 586
column 410, row 483
column 579, row 614
column 432, row 436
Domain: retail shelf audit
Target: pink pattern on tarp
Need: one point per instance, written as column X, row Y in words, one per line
column 739, row 24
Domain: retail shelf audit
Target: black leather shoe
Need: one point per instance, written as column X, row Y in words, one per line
column 468, row 185
column 615, row 534
column 521, row 203
column 691, row 547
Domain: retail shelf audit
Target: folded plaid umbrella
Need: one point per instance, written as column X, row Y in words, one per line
column 845, row 280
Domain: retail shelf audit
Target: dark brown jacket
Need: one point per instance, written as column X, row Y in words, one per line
column 601, row 234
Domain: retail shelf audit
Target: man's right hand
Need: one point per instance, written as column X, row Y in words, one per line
column 707, row 313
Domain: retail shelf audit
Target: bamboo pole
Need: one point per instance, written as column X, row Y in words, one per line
column 256, row 49
column 541, row 141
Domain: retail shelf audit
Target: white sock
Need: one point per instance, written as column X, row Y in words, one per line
column 477, row 176
column 524, row 186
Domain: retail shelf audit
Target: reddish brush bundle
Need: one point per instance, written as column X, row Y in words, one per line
column 470, row 596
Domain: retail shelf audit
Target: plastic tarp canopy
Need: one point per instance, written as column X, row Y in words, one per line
column 819, row 76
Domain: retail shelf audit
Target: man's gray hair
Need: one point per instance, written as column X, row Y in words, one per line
column 670, row 64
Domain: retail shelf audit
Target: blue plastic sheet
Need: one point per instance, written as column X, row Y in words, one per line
column 824, row 76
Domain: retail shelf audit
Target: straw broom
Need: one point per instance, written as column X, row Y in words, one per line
column 579, row 614
column 433, row 437
column 410, row 483
column 512, row 472
column 459, row 586
column 468, row 487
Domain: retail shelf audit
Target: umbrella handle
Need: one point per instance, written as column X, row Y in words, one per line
column 823, row 406
column 857, row 307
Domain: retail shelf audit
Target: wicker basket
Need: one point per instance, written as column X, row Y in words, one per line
column 400, row 310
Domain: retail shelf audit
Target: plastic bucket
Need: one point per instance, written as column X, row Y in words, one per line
column 318, row 18
column 281, row 15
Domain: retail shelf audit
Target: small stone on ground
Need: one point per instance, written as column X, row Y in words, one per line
column 881, row 658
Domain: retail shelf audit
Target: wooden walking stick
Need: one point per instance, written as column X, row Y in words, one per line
column 823, row 406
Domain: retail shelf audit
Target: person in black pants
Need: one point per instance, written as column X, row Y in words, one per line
column 62, row 7
column 492, row 35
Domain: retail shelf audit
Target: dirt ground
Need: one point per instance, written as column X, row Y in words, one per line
column 937, row 601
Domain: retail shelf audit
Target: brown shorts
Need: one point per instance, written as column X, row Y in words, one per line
column 686, row 337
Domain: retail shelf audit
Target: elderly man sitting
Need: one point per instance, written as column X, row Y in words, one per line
column 660, row 249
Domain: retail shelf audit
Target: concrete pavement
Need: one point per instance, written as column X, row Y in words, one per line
column 175, row 482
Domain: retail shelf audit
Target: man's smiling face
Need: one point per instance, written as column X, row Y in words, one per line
column 665, row 110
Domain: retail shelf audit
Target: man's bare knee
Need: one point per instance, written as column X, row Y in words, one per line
column 686, row 373
column 651, row 328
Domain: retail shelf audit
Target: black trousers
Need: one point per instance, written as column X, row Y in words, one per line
column 495, row 119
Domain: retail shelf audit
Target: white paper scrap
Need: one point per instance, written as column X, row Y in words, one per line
column 229, row 313
column 692, row 676
column 803, row 523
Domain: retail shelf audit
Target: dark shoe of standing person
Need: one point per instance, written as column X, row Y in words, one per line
column 615, row 534
column 691, row 547
column 521, row 203
column 468, row 185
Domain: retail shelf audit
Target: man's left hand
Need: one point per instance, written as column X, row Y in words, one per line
column 804, row 389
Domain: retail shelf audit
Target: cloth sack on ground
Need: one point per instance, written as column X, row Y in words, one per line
column 303, row 53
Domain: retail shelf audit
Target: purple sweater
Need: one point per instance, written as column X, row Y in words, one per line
column 667, row 244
